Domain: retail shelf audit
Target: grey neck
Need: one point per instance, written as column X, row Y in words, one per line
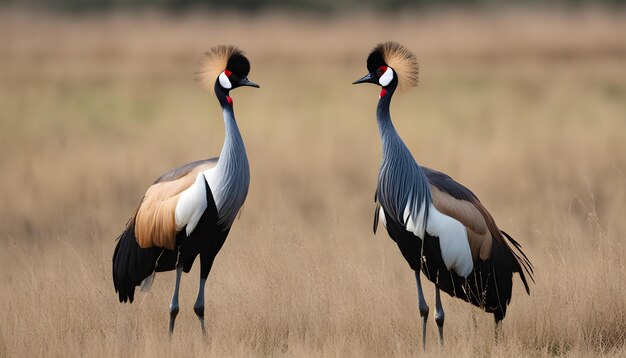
column 232, row 171
column 401, row 181
column 387, row 131
column 233, row 153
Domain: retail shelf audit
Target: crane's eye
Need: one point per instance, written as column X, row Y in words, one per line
column 381, row 70
column 234, row 77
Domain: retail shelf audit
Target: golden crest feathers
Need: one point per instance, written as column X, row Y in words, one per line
column 213, row 63
column 403, row 62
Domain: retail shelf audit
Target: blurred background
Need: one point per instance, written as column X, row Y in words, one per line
column 310, row 6
column 523, row 102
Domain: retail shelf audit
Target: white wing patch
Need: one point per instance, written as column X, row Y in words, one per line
column 453, row 241
column 216, row 184
column 191, row 205
column 455, row 249
column 382, row 216
column 414, row 223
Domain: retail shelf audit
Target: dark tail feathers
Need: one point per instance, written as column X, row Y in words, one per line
column 525, row 266
column 131, row 263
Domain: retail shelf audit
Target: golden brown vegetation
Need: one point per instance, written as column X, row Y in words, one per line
column 528, row 110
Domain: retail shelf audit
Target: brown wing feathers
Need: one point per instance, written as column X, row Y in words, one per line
column 458, row 202
column 462, row 210
column 155, row 223
column 466, row 213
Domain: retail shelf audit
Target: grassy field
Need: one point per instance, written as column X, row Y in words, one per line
column 526, row 109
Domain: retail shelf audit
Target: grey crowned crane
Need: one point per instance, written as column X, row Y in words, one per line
column 440, row 226
column 189, row 210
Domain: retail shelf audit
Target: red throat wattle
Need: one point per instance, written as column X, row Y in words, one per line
column 383, row 92
column 229, row 100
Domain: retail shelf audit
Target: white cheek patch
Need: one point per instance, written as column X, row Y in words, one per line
column 386, row 78
column 224, row 81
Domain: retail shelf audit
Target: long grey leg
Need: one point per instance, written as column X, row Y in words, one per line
column 174, row 304
column 439, row 315
column 206, row 262
column 422, row 306
column 198, row 307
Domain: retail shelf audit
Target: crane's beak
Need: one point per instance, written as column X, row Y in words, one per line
column 246, row 82
column 369, row 78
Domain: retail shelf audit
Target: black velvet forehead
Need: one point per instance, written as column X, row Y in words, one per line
column 375, row 60
column 238, row 64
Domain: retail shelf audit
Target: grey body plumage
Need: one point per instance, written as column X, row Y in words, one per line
column 184, row 169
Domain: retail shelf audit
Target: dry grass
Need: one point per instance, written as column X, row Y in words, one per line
column 528, row 110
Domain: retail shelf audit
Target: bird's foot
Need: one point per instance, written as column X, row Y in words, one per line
column 439, row 318
column 173, row 314
column 200, row 313
column 424, row 315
